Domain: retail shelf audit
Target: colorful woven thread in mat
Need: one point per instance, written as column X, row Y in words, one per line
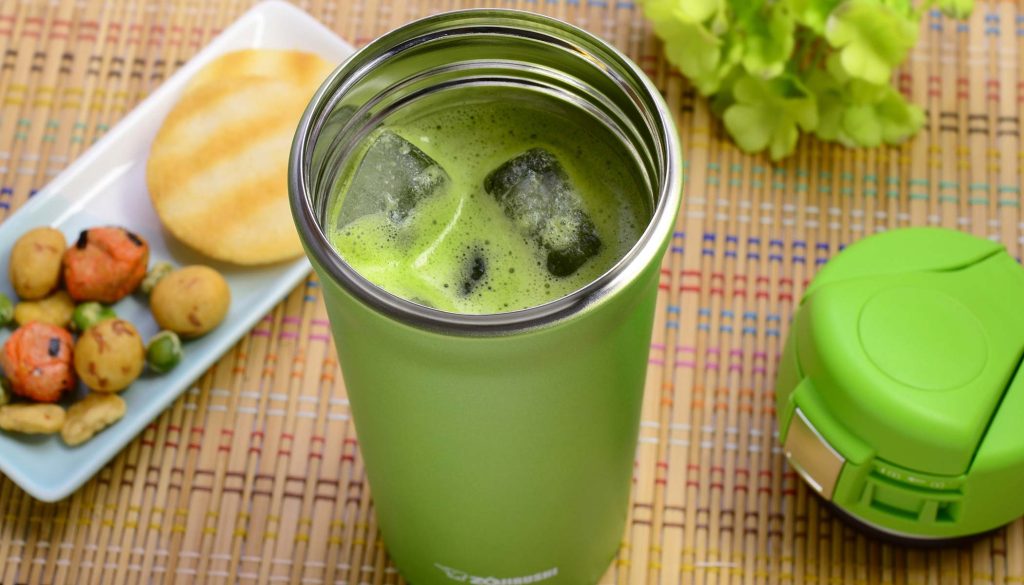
column 254, row 475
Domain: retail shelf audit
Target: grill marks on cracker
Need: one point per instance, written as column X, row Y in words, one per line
column 294, row 67
column 221, row 213
column 218, row 168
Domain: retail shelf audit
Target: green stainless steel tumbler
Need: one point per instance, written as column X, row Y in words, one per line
column 499, row 447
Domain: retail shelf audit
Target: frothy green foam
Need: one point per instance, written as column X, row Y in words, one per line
column 457, row 250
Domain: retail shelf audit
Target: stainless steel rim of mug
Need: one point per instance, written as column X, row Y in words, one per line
column 507, row 22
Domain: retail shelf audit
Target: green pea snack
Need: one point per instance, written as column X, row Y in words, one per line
column 900, row 391
column 163, row 351
column 153, row 276
column 6, row 310
column 88, row 314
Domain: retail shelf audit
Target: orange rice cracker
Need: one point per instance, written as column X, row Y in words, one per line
column 37, row 361
column 105, row 264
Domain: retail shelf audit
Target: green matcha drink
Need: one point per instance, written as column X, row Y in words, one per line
column 487, row 202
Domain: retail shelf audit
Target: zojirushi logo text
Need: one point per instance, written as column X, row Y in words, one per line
column 464, row 577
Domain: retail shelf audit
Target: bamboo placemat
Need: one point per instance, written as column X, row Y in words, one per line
column 254, row 475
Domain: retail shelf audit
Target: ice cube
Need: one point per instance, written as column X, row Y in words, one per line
column 393, row 177
column 537, row 195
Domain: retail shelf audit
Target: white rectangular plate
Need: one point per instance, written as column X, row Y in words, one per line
column 107, row 186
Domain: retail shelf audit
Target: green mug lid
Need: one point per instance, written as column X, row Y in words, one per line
column 910, row 340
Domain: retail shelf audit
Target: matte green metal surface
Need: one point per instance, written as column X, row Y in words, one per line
column 506, row 456
column 905, row 357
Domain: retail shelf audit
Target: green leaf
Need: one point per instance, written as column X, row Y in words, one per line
column 891, row 120
column 860, row 126
column 768, row 43
column 830, row 118
column 692, row 11
column 956, row 8
column 858, row 114
column 903, row 8
column 834, row 67
column 699, row 10
column 774, row 68
column 872, row 38
column 767, row 113
column 706, row 59
column 863, row 92
column 900, row 120
column 723, row 98
column 812, row 13
column 697, row 54
column 829, row 99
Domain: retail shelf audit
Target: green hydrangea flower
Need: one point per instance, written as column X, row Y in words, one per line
column 774, row 68
column 872, row 38
column 812, row 13
column 767, row 113
column 768, row 43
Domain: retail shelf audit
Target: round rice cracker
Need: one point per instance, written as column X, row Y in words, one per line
column 305, row 70
column 217, row 170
